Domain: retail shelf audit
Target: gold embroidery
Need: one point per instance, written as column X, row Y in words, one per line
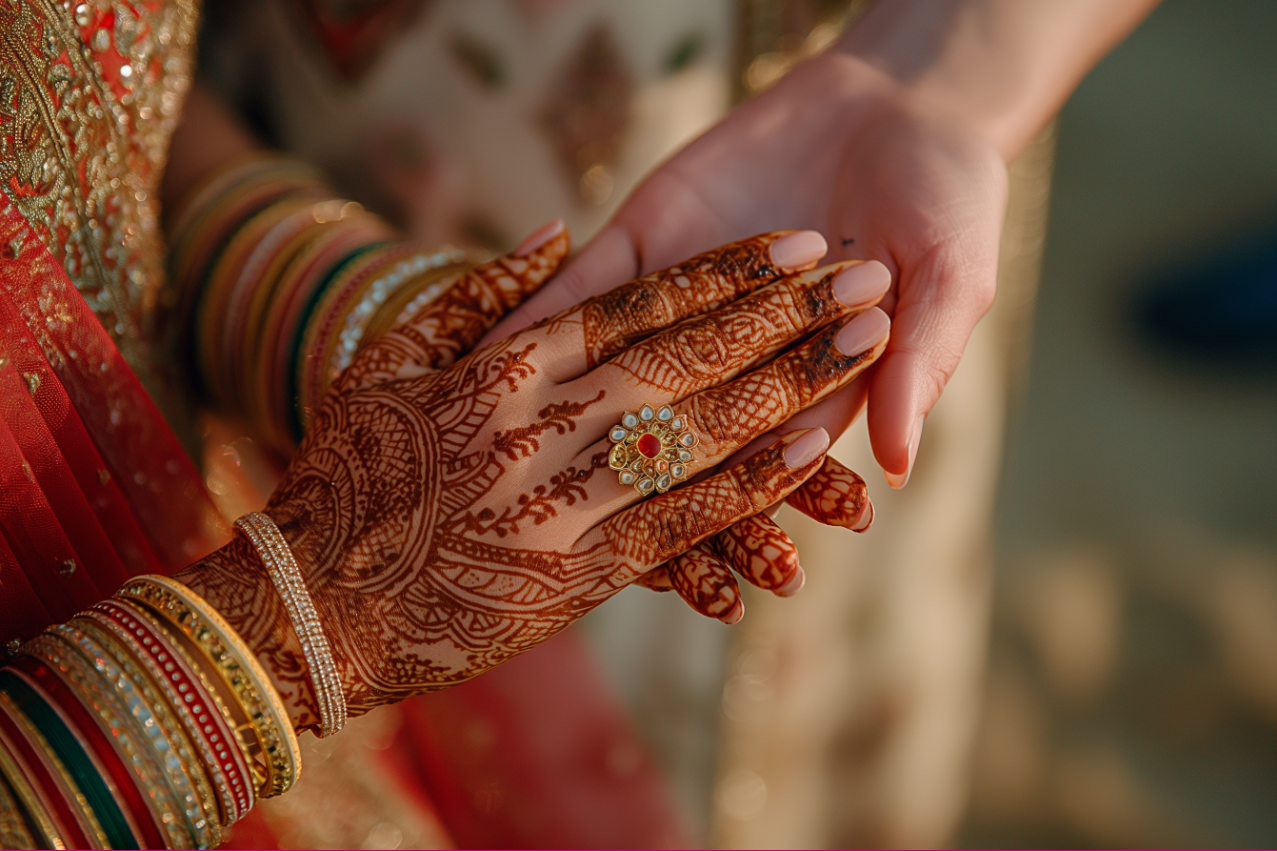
column 89, row 95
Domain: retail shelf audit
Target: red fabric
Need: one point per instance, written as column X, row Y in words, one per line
column 94, row 486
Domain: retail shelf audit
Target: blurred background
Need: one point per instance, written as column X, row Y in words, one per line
column 1132, row 686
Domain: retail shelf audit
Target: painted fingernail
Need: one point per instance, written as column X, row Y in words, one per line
column 897, row 480
column 793, row 586
column 798, row 249
column 807, row 448
column 861, row 283
column 539, row 237
column 866, row 518
column 863, row 332
column 735, row 614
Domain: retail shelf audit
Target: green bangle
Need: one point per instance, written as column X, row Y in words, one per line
column 73, row 756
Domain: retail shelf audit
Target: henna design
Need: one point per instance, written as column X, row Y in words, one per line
column 614, row 321
column 715, row 348
column 758, row 550
column 522, row 442
column 432, row 538
column 835, row 496
column 450, row 325
column 706, row 584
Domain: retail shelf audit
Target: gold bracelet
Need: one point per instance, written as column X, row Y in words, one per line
column 45, row 828
column 235, row 664
column 284, row 573
column 154, row 714
column 14, row 832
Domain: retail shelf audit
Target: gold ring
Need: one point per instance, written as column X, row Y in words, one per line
column 651, row 449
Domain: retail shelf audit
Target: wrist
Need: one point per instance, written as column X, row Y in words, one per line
column 233, row 580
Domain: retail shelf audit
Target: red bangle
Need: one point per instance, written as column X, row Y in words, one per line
column 63, row 699
column 199, row 714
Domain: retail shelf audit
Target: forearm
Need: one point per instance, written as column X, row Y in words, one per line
column 1003, row 66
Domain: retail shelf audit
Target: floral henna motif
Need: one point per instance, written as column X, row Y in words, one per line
column 427, row 511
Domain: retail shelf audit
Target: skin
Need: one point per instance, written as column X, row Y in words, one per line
column 448, row 513
column 894, row 144
column 208, row 136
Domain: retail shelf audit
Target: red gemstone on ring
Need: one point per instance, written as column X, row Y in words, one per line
column 648, row 445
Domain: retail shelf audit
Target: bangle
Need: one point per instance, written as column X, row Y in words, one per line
column 14, row 830
column 237, row 668
column 196, row 703
column 27, row 774
column 66, row 796
column 97, row 768
column 155, row 721
column 284, row 573
column 67, row 651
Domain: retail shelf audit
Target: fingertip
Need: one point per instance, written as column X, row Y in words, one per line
column 804, row 447
column 866, row 518
column 540, row 237
column 794, row 585
column 799, row 250
column 734, row 614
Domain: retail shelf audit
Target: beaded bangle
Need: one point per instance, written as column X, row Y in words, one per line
column 284, row 573
column 14, row 830
column 103, row 723
column 196, row 704
column 156, row 722
column 237, row 668
column 22, row 766
column 133, row 727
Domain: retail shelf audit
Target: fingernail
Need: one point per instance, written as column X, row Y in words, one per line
column 863, row 332
column 798, row 249
column 793, row 586
column 862, row 282
column 807, row 448
column 539, row 237
column 866, row 518
column 896, row 480
column 737, row 612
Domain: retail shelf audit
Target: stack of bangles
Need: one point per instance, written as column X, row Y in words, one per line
column 276, row 284
column 146, row 722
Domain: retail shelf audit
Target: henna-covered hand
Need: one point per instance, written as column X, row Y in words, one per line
column 447, row 520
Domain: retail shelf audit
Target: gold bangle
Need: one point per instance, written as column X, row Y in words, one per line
column 14, row 830
column 186, row 773
column 237, row 667
column 45, row 828
column 286, row 575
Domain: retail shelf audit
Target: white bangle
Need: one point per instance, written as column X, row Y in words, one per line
column 282, row 567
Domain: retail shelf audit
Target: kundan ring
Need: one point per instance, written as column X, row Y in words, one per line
column 651, row 449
